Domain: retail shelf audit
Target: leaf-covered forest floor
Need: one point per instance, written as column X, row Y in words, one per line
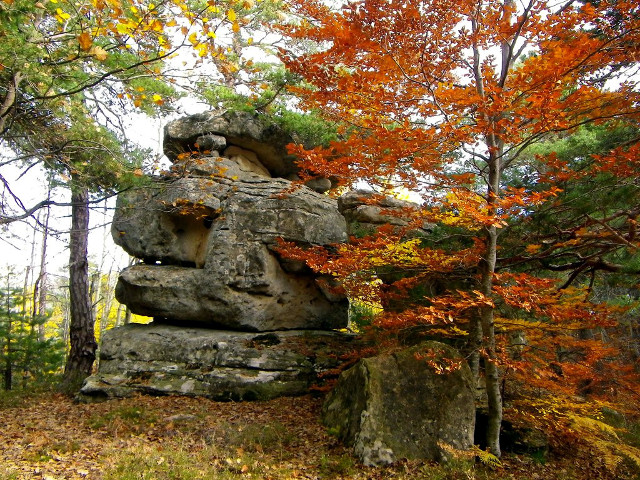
column 48, row 436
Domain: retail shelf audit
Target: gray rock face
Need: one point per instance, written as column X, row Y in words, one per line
column 254, row 142
column 208, row 235
column 249, row 131
column 396, row 406
column 209, row 248
column 222, row 365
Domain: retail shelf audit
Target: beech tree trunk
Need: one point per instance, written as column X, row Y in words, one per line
column 495, row 143
column 491, row 370
column 82, row 352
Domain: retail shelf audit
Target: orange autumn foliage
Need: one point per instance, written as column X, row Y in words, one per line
column 443, row 98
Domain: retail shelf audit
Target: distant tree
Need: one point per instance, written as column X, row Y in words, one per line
column 600, row 207
column 24, row 354
column 69, row 71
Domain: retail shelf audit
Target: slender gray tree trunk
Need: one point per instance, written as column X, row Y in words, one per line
column 8, row 365
column 491, row 370
column 40, row 288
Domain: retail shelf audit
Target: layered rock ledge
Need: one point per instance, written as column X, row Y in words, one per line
column 209, row 247
column 221, row 365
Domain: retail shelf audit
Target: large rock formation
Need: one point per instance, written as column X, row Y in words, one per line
column 398, row 406
column 234, row 320
column 208, row 236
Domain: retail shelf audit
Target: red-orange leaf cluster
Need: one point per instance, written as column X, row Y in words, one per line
column 443, row 99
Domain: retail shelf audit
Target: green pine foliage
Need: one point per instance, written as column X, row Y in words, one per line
column 25, row 357
column 268, row 93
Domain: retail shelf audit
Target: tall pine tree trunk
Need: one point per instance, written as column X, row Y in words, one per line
column 7, row 373
column 82, row 352
column 8, row 365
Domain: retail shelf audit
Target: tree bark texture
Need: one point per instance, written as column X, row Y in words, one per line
column 82, row 352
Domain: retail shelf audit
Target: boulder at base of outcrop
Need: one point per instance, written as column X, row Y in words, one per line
column 398, row 406
column 221, row 365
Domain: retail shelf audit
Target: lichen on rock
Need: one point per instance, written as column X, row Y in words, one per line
column 397, row 406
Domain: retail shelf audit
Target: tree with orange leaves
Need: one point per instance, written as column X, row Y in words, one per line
column 443, row 99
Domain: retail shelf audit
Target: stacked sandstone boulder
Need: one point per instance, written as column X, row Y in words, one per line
column 232, row 318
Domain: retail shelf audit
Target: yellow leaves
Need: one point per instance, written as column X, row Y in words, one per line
column 115, row 4
column 98, row 52
column 593, row 425
column 486, row 457
column 61, row 16
column 531, row 249
column 233, row 18
column 605, row 440
column 126, row 27
column 156, row 26
column 202, row 49
column 193, row 38
column 85, row 41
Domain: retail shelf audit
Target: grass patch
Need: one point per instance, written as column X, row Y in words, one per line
column 209, row 462
column 253, row 437
column 20, row 397
column 332, row 466
column 124, row 419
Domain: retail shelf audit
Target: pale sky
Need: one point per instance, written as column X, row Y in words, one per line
column 17, row 238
